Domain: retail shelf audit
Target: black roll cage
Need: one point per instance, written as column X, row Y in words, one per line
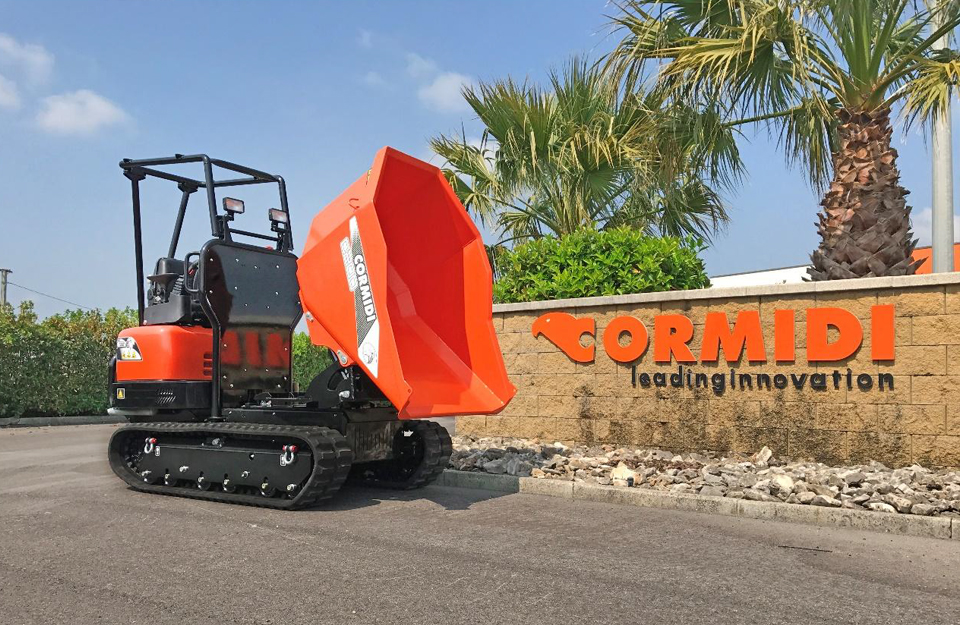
column 138, row 170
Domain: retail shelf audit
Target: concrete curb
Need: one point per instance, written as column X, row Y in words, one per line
column 25, row 422
column 901, row 524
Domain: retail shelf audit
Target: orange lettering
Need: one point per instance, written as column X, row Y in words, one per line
column 784, row 335
column 564, row 330
column 881, row 332
column 746, row 332
column 671, row 333
column 819, row 320
column 638, row 339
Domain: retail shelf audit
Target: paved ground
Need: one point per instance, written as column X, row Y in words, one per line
column 76, row 546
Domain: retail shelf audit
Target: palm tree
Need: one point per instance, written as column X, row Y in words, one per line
column 825, row 75
column 586, row 153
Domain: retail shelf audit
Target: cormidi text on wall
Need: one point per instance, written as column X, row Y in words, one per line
column 832, row 335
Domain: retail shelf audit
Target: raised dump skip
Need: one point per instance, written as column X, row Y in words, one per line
column 394, row 277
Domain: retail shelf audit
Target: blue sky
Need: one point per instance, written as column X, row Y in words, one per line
column 307, row 90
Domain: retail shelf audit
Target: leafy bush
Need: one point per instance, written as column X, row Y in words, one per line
column 308, row 360
column 57, row 366
column 589, row 263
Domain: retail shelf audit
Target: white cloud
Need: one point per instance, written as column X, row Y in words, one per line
column 419, row 67
column 922, row 222
column 78, row 113
column 373, row 79
column 443, row 94
column 9, row 96
column 33, row 60
column 365, row 39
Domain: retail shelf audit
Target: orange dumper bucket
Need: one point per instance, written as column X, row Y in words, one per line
column 394, row 277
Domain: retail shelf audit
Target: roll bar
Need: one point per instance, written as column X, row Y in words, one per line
column 137, row 170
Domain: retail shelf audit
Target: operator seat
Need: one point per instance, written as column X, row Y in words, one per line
column 169, row 303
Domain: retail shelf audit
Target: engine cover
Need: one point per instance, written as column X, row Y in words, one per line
column 166, row 353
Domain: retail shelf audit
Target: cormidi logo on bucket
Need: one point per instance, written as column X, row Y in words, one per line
column 832, row 335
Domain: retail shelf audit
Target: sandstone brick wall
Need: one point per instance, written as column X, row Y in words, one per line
column 919, row 421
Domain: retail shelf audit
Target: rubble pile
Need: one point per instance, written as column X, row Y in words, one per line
column 760, row 477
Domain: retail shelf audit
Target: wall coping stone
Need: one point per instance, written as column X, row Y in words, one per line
column 768, row 290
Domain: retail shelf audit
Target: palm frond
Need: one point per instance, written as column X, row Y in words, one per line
column 573, row 153
column 468, row 170
column 808, row 135
column 928, row 93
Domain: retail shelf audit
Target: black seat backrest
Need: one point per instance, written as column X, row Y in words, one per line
column 169, row 302
column 252, row 297
column 169, row 265
column 166, row 280
column 166, row 305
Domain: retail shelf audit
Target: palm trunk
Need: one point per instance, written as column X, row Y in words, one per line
column 865, row 222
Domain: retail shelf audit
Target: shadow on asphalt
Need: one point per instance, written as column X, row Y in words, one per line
column 357, row 496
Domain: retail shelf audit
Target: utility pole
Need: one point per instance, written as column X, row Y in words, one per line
column 3, row 287
column 942, row 174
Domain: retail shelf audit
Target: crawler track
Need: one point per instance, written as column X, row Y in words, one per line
column 419, row 458
column 247, row 447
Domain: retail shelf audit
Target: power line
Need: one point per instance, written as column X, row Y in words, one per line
column 50, row 296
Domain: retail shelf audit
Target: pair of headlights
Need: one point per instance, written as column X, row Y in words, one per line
column 128, row 350
column 236, row 207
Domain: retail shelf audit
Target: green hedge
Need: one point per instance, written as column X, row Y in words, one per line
column 308, row 360
column 58, row 366
column 590, row 263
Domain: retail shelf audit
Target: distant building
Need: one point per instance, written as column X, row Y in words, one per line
column 795, row 274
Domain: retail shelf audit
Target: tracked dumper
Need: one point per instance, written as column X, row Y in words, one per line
column 393, row 279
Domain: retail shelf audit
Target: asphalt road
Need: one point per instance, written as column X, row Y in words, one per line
column 77, row 546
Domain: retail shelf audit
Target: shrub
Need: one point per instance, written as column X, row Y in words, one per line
column 308, row 360
column 589, row 263
column 57, row 366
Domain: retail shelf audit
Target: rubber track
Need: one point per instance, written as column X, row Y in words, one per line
column 437, row 451
column 331, row 455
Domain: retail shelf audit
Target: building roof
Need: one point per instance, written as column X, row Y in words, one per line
column 798, row 273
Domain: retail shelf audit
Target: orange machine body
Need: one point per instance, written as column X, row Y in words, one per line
column 168, row 352
column 394, row 277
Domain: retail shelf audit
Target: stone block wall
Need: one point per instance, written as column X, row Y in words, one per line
column 598, row 402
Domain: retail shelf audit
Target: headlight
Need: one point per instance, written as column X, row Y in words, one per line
column 127, row 349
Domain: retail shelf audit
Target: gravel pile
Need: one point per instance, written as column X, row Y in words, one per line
column 760, row 477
